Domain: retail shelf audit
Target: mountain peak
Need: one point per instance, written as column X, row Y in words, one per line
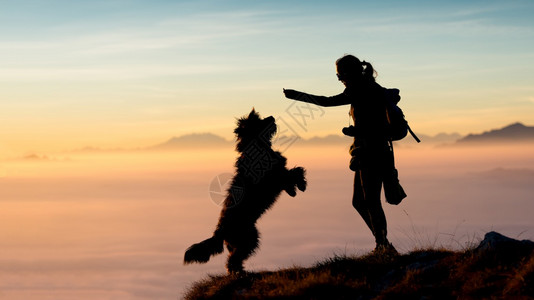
column 517, row 125
column 192, row 140
column 513, row 132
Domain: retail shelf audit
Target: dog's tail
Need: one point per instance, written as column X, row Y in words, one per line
column 202, row 251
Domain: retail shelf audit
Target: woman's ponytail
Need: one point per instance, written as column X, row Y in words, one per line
column 368, row 72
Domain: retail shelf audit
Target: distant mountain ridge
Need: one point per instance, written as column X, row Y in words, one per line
column 193, row 140
column 440, row 138
column 516, row 132
column 513, row 132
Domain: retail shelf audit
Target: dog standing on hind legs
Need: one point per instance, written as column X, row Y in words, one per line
column 261, row 175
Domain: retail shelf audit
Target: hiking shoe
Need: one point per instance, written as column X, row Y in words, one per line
column 386, row 249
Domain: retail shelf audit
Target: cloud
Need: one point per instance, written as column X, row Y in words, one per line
column 175, row 46
column 35, row 157
column 178, row 46
column 120, row 276
column 120, row 72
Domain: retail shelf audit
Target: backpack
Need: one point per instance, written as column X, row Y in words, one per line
column 397, row 127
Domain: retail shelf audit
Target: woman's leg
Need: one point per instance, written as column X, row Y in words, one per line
column 366, row 200
column 358, row 200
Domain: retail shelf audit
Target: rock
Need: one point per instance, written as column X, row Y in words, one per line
column 494, row 241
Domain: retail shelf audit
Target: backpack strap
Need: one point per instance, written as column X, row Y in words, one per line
column 413, row 134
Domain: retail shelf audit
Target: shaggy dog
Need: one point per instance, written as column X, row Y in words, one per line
column 261, row 175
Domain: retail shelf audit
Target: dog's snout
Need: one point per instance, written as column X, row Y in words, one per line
column 271, row 122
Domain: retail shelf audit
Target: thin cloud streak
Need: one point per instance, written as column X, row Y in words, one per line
column 104, row 53
column 110, row 73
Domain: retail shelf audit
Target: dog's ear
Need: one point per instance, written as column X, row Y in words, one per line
column 242, row 124
column 253, row 114
column 239, row 126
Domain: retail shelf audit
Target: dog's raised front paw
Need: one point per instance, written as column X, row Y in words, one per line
column 301, row 185
column 291, row 191
column 299, row 175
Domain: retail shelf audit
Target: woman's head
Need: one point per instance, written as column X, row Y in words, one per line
column 350, row 70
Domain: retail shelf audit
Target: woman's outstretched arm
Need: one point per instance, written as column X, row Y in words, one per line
column 341, row 99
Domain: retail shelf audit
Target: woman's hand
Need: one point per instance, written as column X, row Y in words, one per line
column 291, row 94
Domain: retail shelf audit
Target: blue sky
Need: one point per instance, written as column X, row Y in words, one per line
column 125, row 73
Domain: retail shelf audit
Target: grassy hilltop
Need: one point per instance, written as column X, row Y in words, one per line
column 499, row 268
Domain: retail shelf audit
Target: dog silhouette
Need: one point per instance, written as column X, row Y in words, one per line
column 261, row 176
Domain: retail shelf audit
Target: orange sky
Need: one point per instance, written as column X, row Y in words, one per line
column 121, row 74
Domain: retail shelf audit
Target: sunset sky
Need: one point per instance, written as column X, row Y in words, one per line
column 135, row 73
column 119, row 73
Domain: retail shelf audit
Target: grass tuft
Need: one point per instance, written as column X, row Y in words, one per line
column 423, row 273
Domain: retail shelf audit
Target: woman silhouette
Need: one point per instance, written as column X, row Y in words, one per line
column 372, row 156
